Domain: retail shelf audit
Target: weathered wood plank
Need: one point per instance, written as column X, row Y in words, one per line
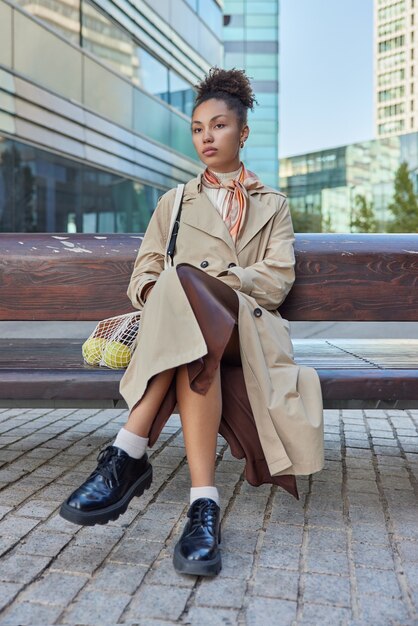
column 54, row 370
column 339, row 277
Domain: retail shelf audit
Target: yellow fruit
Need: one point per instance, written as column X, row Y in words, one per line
column 116, row 355
column 92, row 350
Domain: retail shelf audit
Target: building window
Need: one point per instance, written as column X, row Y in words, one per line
column 390, row 94
column 181, row 94
column 391, row 44
column 44, row 192
column 152, row 75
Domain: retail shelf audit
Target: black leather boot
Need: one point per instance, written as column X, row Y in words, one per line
column 197, row 550
column 108, row 490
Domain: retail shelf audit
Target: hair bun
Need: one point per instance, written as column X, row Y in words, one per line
column 233, row 82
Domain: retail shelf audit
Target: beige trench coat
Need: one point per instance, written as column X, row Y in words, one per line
column 285, row 397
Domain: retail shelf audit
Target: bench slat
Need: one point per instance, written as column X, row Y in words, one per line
column 340, row 277
column 351, row 374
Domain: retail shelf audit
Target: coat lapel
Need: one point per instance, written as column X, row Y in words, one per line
column 258, row 215
column 199, row 212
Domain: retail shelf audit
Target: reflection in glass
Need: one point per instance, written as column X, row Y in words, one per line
column 61, row 15
column 181, row 94
column 44, row 192
column 151, row 75
column 102, row 37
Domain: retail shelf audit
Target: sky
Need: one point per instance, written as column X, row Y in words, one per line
column 325, row 74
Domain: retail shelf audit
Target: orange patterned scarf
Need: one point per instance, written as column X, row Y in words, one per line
column 235, row 204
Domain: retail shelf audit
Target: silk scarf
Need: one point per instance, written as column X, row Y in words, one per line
column 234, row 207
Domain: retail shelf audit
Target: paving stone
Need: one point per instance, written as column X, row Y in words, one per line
column 324, row 615
column 384, row 611
column 406, row 530
column 198, row 616
column 4, row 510
column 286, row 556
column 324, row 540
column 211, row 592
column 55, row 588
column 101, row 608
column 408, row 550
column 275, row 583
column 283, row 533
column 327, row 562
column 326, row 589
column 21, row 568
column 58, row 524
column 368, row 514
column 243, row 541
column 157, row 601
column 365, row 534
column 80, row 559
column 117, row 578
column 372, row 556
column 377, row 582
column 262, row 611
column 30, row 614
column 163, row 573
column 328, row 519
column 7, row 592
column 137, row 551
column 364, row 486
column 42, row 544
column 37, row 508
column 235, row 565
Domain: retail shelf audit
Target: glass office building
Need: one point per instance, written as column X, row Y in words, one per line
column 322, row 186
column 95, row 100
column 251, row 32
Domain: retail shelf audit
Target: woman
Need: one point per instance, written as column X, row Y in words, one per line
column 211, row 338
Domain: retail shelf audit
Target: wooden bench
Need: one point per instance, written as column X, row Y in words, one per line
column 355, row 277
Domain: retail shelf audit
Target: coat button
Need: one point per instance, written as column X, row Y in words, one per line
column 204, row 264
column 258, row 312
column 232, row 265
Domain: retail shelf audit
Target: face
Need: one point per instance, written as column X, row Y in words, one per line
column 217, row 135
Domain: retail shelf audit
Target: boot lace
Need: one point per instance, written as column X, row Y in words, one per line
column 203, row 513
column 106, row 466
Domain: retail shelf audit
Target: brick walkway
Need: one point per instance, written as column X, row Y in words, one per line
column 346, row 553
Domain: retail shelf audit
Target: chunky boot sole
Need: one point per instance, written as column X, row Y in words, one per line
column 196, row 568
column 111, row 512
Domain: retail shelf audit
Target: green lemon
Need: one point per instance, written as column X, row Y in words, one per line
column 92, row 350
column 116, row 355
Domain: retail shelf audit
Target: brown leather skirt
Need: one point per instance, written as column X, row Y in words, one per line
column 216, row 306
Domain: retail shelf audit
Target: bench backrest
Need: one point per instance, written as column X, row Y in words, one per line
column 339, row 277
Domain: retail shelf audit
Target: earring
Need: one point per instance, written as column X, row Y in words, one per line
column 242, row 144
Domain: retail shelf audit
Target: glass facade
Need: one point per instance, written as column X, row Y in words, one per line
column 251, row 31
column 45, row 192
column 83, row 23
column 95, row 108
column 322, row 186
column 395, row 30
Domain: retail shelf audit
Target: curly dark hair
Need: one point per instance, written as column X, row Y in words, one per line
column 232, row 86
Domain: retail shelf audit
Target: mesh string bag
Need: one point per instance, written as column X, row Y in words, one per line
column 113, row 341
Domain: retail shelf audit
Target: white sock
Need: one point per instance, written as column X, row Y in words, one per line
column 204, row 492
column 132, row 444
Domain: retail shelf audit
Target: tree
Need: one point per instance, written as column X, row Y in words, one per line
column 363, row 219
column 327, row 226
column 405, row 204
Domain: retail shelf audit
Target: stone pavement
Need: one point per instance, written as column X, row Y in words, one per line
column 345, row 553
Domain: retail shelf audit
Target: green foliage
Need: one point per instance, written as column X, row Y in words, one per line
column 306, row 222
column 405, row 204
column 327, row 226
column 363, row 218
